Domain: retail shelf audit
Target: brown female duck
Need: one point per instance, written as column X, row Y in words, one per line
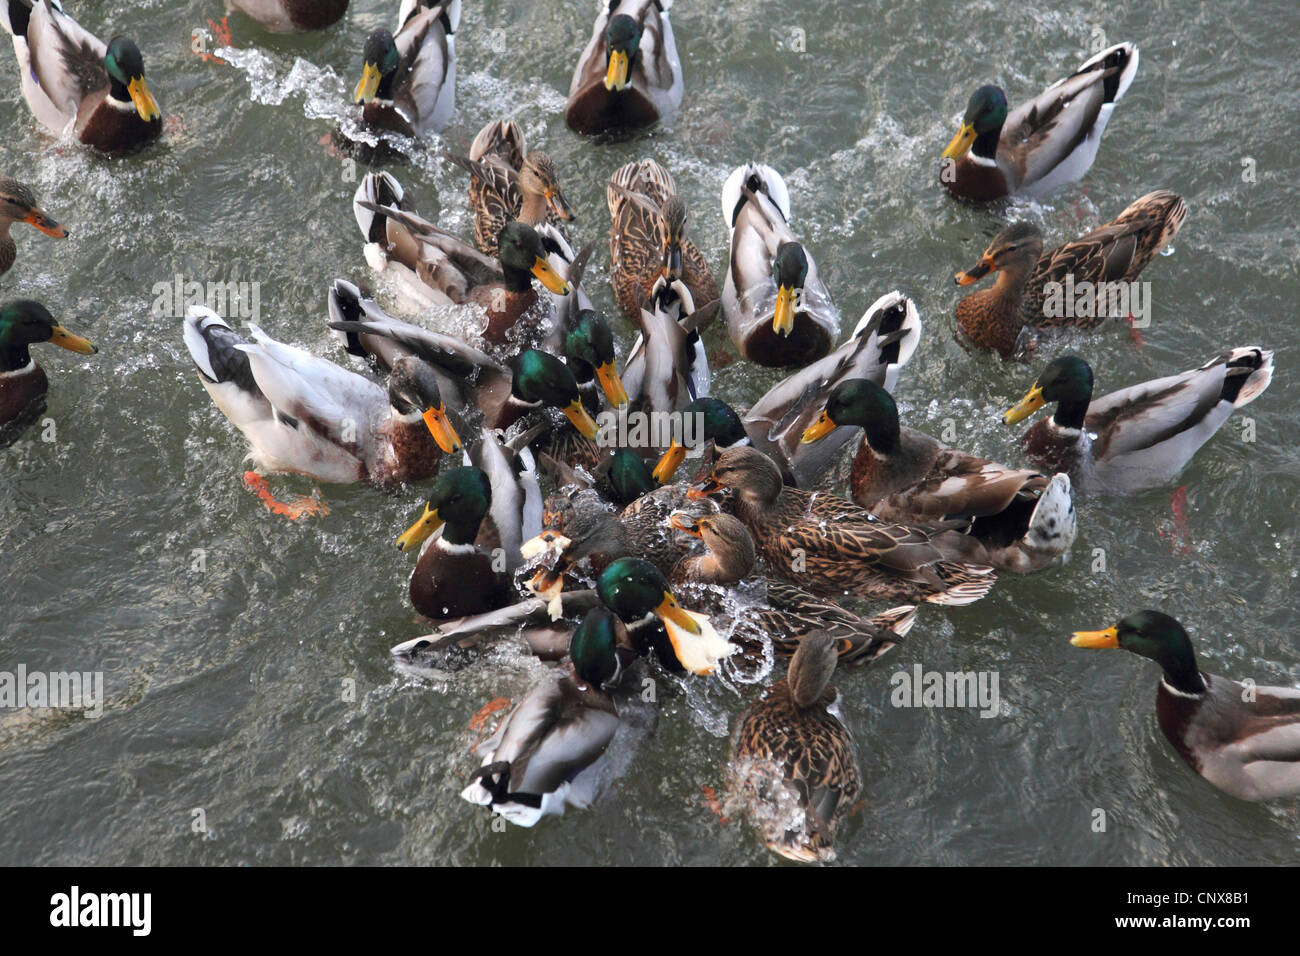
column 18, row 204
column 508, row 184
column 786, row 613
column 830, row 546
column 793, row 768
column 647, row 239
column 1032, row 285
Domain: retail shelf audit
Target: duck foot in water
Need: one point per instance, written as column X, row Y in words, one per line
column 293, row 510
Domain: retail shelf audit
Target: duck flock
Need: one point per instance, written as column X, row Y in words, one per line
column 777, row 536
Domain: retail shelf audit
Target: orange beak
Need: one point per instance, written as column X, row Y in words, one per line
column 984, row 267
column 45, row 224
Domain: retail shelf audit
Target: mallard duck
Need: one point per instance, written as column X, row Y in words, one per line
column 830, row 546
column 529, row 619
column 1025, row 520
column 778, row 311
column 1044, row 143
column 1141, row 436
column 507, row 184
column 22, row 382
column 304, row 414
column 408, row 81
column 545, row 756
column 647, row 239
column 634, row 589
column 1033, row 286
column 75, row 83
column 881, row 344
column 366, row 331
column 1243, row 739
column 792, row 766
column 439, row 269
column 502, row 392
column 292, row 16
column 18, row 204
column 582, row 527
column 786, row 613
column 667, row 366
column 629, row 75
column 456, row 575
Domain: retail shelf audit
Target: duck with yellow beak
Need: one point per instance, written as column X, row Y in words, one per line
column 304, row 414
column 1138, row 437
column 23, row 384
column 629, row 76
column 1043, row 143
column 454, row 576
column 73, row 80
column 408, row 79
column 436, row 268
column 1242, row 738
column 634, row 589
column 778, row 311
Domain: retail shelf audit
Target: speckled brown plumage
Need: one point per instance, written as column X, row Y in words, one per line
column 831, row 546
column 791, row 753
column 1022, row 295
column 646, row 211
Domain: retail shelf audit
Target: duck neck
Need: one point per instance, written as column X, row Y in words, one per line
column 14, row 355
column 1071, row 414
column 1184, row 677
column 532, row 210
column 460, row 532
column 517, row 280
column 8, row 248
column 985, row 146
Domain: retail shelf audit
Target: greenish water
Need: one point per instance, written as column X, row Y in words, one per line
column 225, row 677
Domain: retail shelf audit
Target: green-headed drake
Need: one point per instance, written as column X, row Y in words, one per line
column 432, row 267
column 629, row 75
column 454, row 576
column 23, row 384
column 1243, row 739
column 634, row 589
column 1043, row 143
column 1024, row 519
column 778, row 312
column 76, row 83
column 408, row 78
column 545, row 756
column 1142, row 436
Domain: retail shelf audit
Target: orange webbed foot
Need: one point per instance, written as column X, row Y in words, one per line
column 714, row 804
column 484, row 714
column 220, row 37
column 293, row 510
